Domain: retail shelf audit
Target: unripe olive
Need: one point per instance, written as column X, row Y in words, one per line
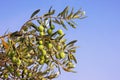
column 9, row 40
column 29, row 74
column 58, row 47
column 30, row 61
column 11, row 54
column 43, row 52
column 42, row 57
column 10, row 68
column 49, row 31
column 18, row 73
column 50, row 45
column 46, row 61
column 40, row 47
column 41, row 62
column 14, row 59
column 60, row 32
column 18, row 62
column 25, row 71
column 62, row 55
column 5, row 75
column 41, row 28
column 43, row 79
column 41, row 33
column 52, row 27
column 40, row 42
column 28, row 55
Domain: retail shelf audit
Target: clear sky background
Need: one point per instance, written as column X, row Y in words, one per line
column 98, row 35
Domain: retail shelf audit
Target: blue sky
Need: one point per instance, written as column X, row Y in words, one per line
column 98, row 35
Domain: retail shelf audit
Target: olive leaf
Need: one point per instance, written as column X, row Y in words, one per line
column 59, row 38
column 76, row 15
column 50, row 13
column 31, row 24
column 71, row 24
column 64, row 12
column 34, row 13
column 57, row 21
column 70, row 15
column 74, row 58
column 72, row 42
column 68, row 70
column 62, row 23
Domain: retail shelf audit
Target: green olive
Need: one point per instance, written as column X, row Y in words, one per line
column 25, row 71
column 49, row 31
column 41, row 62
column 30, row 61
column 43, row 79
column 18, row 73
column 40, row 47
column 43, row 52
column 14, row 59
column 41, row 42
column 42, row 57
column 18, row 62
column 58, row 47
column 41, row 33
column 5, row 75
column 29, row 74
column 46, row 61
column 10, row 68
column 62, row 55
column 28, row 55
column 41, row 28
column 60, row 32
column 11, row 54
column 50, row 45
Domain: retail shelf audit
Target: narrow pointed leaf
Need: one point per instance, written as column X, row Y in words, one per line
column 71, row 24
column 63, row 14
column 50, row 9
column 55, row 33
column 57, row 21
column 50, row 13
column 72, row 42
column 32, row 25
column 62, row 23
column 61, row 37
column 68, row 70
column 74, row 58
column 77, row 13
column 70, row 15
column 34, row 13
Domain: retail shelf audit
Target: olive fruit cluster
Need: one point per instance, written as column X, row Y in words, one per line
column 49, row 31
column 43, row 53
column 16, row 60
column 41, row 29
column 60, row 55
column 50, row 46
column 38, row 52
